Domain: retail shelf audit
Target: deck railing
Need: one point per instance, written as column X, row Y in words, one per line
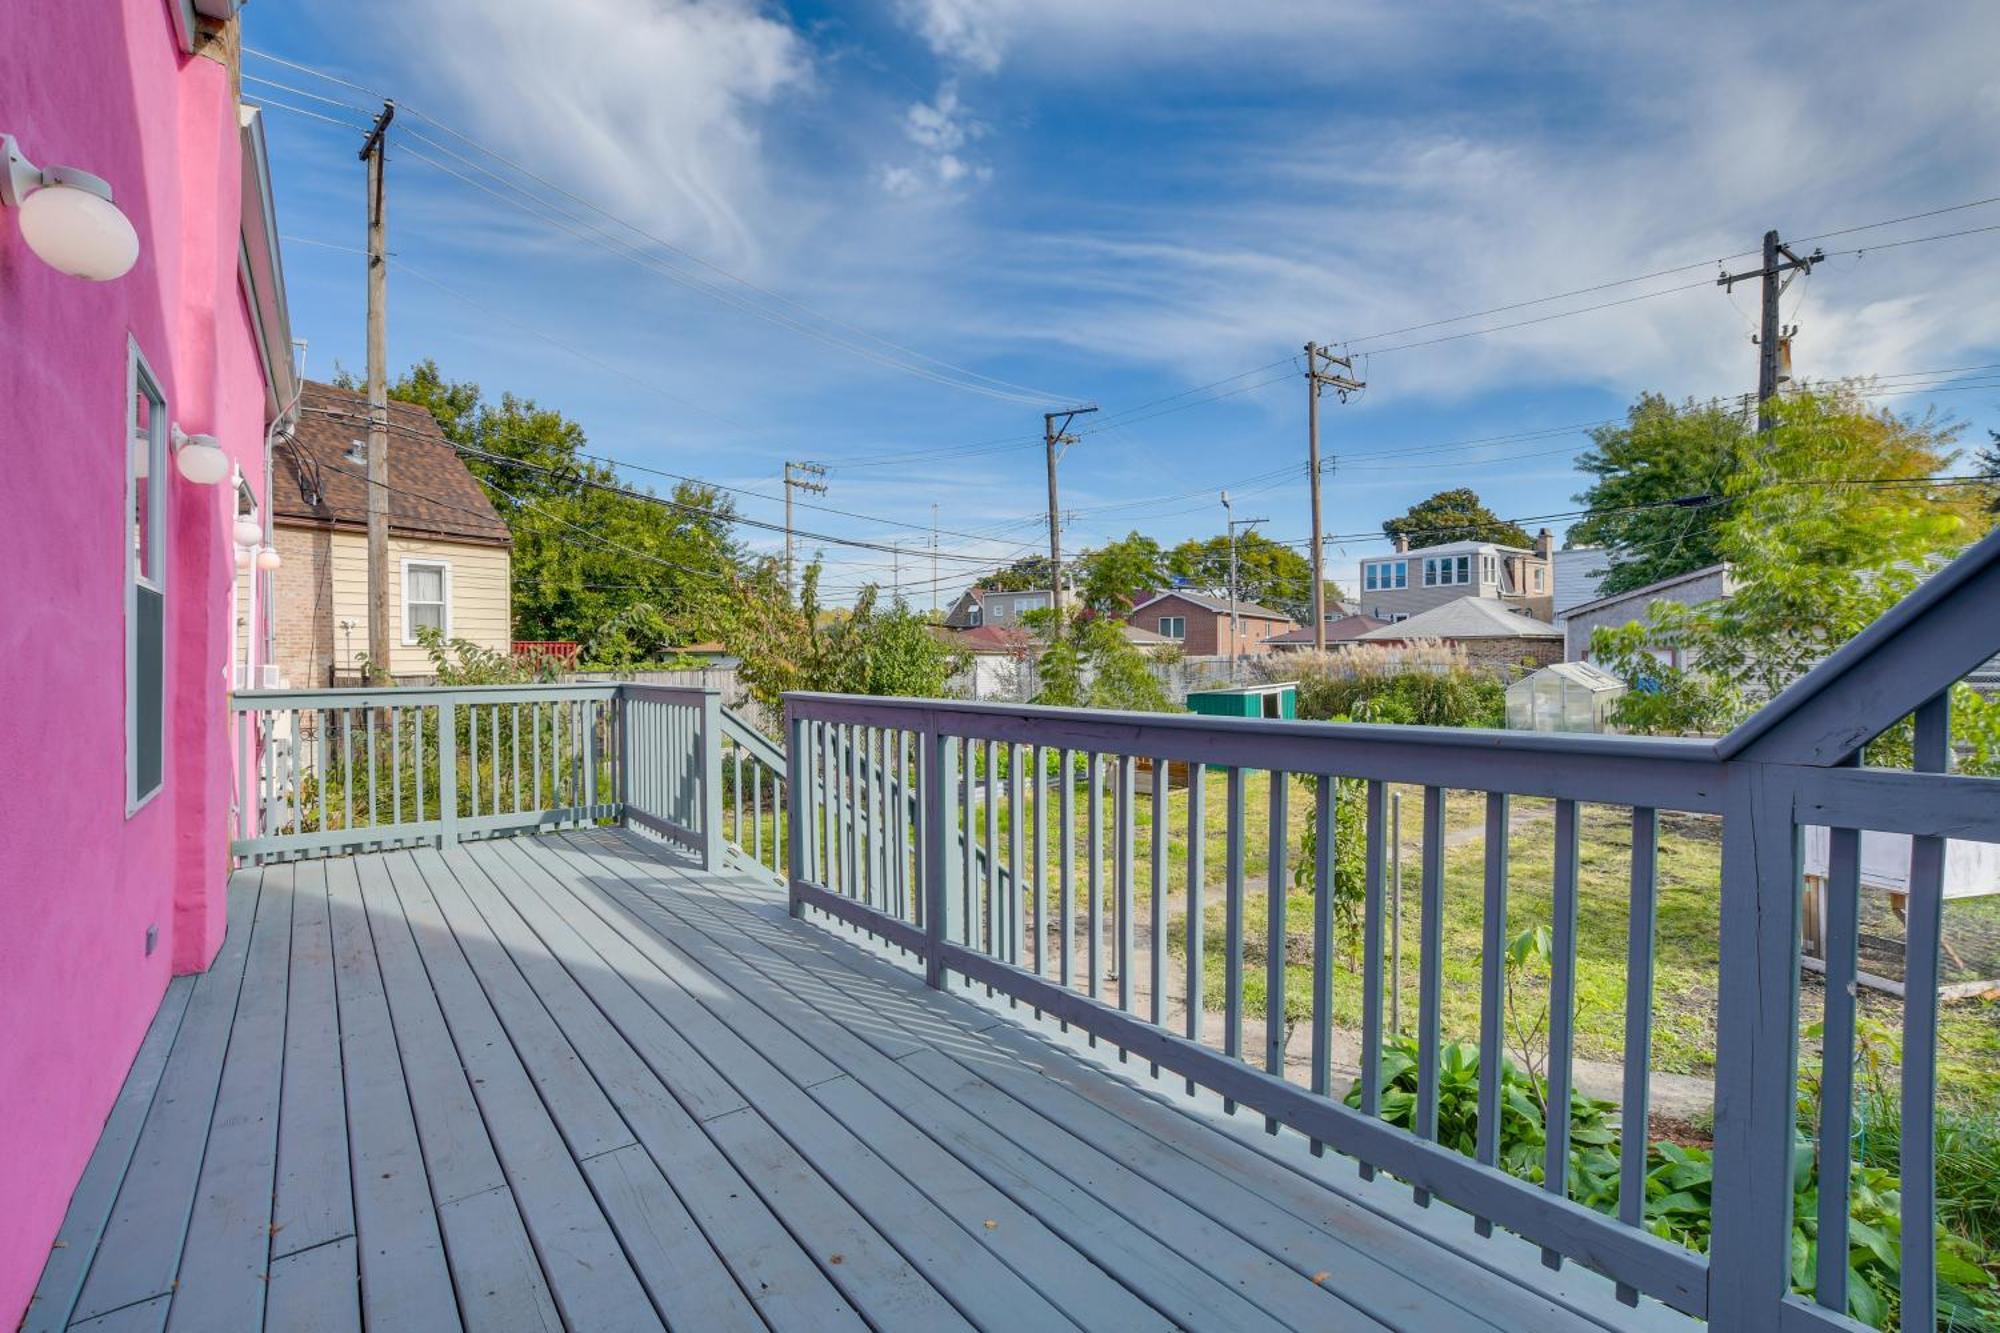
column 330, row 771
column 1020, row 867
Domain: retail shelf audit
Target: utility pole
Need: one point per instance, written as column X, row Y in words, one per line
column 1057, row 438
column 1235, row 611
column 798, row 477
column 373, row 153
column 1338, row 376
column 934, row 558
column 1781, row 265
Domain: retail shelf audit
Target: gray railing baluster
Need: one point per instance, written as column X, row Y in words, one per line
column 1122, row 853
column 1276, row 896
column 1326, row 794
column 1157, row 886
column 1232, row 961
column 1492, row 987
column 1430, row 972
column 992, row 821
column 1017, row 877
column 1637, row 1102
column 1371, row 963
column 1066, row 870
column 1041, row 877
column 347, row 770
column 1917, row 1141
column 1197, row 947
column 1562, row 1014
column 1094, row 878
column 941, row 903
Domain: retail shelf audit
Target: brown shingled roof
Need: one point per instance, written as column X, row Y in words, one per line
column 431, row 494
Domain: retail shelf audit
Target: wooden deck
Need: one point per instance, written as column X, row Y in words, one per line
column 567, row 1081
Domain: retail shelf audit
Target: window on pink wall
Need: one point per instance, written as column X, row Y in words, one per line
column 145, row 581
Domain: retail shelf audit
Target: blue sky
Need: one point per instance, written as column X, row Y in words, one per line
column 878, row 235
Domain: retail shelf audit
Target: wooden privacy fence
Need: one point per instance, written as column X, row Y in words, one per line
column 947, row 829
column 325, row 772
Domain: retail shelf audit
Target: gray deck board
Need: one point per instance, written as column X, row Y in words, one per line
column 90, row 1206
column 225, row 1262
column 315, row 1197
column 570, row 1081
column 149, row 1222
column 403, row 1271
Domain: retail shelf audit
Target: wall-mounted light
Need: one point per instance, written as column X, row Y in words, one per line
column 268, row 558
column 248, row 530
column 68, row 217
column 199, row 458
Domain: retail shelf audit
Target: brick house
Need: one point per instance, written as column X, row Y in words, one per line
column 450, row 554
column 1203, row 625
column 1492, row 633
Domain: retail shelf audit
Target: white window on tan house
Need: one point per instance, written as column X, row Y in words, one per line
column 1173, row 627
column 426, row 598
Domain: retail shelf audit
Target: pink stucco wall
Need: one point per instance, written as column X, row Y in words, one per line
column 104, row 86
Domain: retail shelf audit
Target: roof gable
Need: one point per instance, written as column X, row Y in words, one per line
column 431, row 494
column 1466, row 618
column 1219, row 605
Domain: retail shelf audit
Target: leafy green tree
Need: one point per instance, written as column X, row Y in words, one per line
column 1663, row 452
column 1115, row 576
column 1087, row 662
column 1456, row 515
column 614, row 568
column 1820, row 547
column 872, row 649
column 1989, row 468
column 1024, row 575
column 1267, row 573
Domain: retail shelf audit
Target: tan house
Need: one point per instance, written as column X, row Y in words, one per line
column 450, row 555
column 1409, row 582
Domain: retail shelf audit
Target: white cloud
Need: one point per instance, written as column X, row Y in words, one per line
column 941, row 130
column 654, row 108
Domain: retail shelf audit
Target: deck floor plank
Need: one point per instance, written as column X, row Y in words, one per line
column 404, row 1274
column 226, row 1262
column 148, row 1225
column 97, row 1190
column 1223, row 1279
column 500, row 1031
column 570, row 1081
column 315, row 1197
column 947, row 1244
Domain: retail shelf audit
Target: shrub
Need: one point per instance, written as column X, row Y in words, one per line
column 1424, row 687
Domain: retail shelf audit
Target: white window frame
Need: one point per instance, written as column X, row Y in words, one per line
column 424, row 562
column 139, row 375
column 1173, row 627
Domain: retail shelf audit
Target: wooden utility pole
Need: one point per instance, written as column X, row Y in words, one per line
column 1338, row 376
column 373, row 153
column 1057, row 438
column 934, row 559
column 1235, row 609
column 798, row 477
column 1781, row 265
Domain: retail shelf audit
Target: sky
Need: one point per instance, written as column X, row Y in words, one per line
column 887, row 236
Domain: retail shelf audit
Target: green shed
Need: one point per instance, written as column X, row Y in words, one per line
column 1279, row 699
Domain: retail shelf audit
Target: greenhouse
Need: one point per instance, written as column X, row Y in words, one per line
column 1569, row 696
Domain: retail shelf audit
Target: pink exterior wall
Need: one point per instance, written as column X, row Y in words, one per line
column 104, row 86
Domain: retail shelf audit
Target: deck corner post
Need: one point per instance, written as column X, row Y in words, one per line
column 798, row 796
column 942, row 907
column 621, row 708
column 1756, row 1051
column 710, row 741
column 447, row 770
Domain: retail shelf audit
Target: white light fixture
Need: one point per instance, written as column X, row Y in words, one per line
column 68, row 217
column 243, row 556
column 248, row 530
column 199, row 458
column 268, row 558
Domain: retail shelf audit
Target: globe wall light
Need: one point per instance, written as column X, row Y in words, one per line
column 199, row 458
column 67, row 217
column 268, row 558
column 248, row 530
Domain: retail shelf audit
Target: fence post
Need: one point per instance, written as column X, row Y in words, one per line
column 621, row 704
column 709, row 779
column 942, row 909
column 447, row 770
column 1756, row 1066
column 798, row 800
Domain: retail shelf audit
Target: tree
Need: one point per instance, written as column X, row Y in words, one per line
column 1115, row 576
column 1455, row 516
column 1820, row 548
column 870, row 650
column 1267, row 573
column 1989, row 468
column 1664, row 452
column 1024, row 575
column 1087, row 662
column 618, row 570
